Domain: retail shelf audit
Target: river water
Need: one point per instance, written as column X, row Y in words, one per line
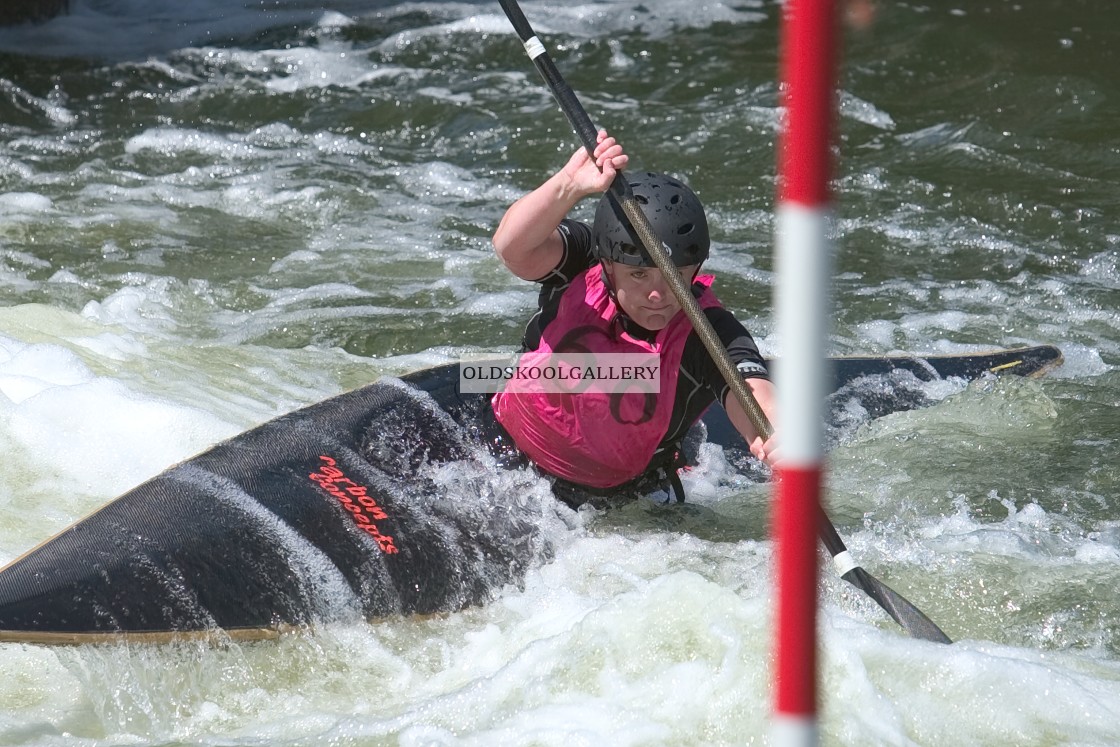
column 213, row 213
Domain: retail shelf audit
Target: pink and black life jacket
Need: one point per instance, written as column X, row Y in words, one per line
column 594, row 438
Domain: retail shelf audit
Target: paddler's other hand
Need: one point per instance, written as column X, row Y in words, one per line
column 767, row 451
column 590, row 175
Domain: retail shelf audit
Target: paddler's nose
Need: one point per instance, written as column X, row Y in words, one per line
column 660, row 289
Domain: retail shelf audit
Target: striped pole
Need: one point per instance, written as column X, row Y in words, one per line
column 803, row 264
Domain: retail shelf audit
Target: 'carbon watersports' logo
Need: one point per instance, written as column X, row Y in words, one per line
column 355, row 498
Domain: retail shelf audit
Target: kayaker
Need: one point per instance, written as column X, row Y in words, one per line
column 600, row 292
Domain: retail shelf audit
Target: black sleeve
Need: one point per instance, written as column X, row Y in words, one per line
column 700, row 382
column 740, row 347
column 577, row 257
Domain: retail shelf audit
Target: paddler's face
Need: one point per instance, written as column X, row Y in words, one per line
column 644, row 294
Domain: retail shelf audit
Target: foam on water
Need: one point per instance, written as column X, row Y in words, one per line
column 168, row 141
column 12, row 204
column 54, row 112
column 89, row 411
column 243, row 203
column 288, row 71
column 1011, row 692
column 75, row 438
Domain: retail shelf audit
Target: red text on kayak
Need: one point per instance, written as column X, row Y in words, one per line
column 355, row 498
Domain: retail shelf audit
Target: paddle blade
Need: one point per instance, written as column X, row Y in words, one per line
column 912, row 619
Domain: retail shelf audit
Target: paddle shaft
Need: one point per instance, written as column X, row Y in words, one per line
column 908, row 616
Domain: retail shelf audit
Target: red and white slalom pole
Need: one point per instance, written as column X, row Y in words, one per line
column 804, row 268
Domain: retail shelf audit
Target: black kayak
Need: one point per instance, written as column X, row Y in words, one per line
column 340, row 511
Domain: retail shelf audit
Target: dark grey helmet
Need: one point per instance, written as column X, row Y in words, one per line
column 674, row 212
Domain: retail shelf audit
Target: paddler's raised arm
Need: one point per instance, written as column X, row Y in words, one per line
column 527, row 241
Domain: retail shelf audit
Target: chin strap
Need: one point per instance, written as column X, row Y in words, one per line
column 678, row 486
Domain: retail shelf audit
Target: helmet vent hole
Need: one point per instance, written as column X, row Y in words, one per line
column 684, row 229
column 675, row 199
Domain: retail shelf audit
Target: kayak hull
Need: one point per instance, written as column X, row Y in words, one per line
column 334, row 513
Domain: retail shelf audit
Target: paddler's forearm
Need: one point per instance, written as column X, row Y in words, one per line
column 526, row 240
column 765, row 395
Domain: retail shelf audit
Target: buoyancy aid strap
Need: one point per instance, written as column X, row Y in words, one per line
column 660, row 474
column 665, row 469
column 678, row 486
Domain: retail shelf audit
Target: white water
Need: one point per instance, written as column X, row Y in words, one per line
column 206, row 269
column 629, row 637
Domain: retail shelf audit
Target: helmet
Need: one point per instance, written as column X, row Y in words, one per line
column 674, row 212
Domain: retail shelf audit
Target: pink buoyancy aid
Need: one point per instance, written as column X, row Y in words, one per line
column 594, row 437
